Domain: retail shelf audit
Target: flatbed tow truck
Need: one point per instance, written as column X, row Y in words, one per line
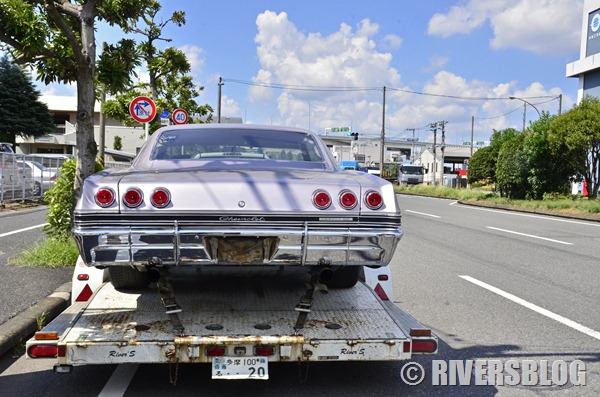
column 238, row 324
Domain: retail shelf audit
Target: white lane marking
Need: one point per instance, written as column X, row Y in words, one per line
column 529, row 235
column 422, row 213
column 517, row 213
column 556, row 317
column 22, row 230
column 119, row 380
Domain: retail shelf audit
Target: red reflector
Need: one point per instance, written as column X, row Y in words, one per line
column 215, row 351
column 85, row 294
column 381, row 293
column 105, row 197
column 424, row 346
column 383, row 277
column 83, row 277
column 347, row 200
column 62, row 350
column 373, row 200
column 161, row 197
column 406, row 347
column 264, row 351
column 321, row 199
column 133, row 197
column 37, row 351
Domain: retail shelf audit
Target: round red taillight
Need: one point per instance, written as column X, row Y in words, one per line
column 105, row 197
column 161, row 197
column 348, row 199
column 133, row 197
column 373, row 200
column 321, row 199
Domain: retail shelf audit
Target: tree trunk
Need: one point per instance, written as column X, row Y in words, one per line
column 86, row 97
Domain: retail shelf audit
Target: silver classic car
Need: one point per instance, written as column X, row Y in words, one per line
column 235, row 196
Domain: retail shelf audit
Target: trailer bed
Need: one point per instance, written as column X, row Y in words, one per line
column 239, row 315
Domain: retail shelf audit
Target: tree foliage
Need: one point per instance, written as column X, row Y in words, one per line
column 548, row 166
column 57, row 38
column 169, row 85
column 577, row 134
column 482, row 166
column 21, row 112
column 512, row 170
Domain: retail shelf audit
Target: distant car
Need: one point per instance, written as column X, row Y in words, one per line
column 235, row 196
column 42, row 177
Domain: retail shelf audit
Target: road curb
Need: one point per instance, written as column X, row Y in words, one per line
column 19, row 328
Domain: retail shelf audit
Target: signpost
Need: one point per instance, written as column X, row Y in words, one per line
column 143, row 110
column 180, row 116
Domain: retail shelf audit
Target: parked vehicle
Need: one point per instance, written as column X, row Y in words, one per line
column 238, row 196
column 15, row 178
column 411, row 174
column 42, row 177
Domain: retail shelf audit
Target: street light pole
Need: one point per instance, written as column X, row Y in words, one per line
column 525, row 108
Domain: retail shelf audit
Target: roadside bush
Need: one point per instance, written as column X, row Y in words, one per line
column 60, row 201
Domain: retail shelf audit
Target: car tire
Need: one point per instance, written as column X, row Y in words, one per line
column 37, row 190
column 345, row 277
column 125, row 278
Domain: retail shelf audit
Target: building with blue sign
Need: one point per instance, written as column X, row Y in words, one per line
column 587, row 68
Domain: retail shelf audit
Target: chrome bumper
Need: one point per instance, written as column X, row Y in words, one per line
column 176, row 245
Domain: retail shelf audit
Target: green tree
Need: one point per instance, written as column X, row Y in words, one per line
column 576, row 133
column 482, row 166
column 58, row 38
column 118, row 143
column 21, row 112
column 547, row 170
column 512, row 169
column 170, row 85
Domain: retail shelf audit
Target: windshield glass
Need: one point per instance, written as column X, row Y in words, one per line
column 412, row 170
column 236, row 143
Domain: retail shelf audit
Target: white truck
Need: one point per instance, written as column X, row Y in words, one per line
column 238, row 324
column 411, row 174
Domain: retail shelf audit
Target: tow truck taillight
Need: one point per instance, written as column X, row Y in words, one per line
column 105, row 197
column 264, row 351
column 424, row 346
column 321, row 199
column 161, row 197
column 348, row 199
column 133, row 197
column 39, row 351
column 373, row 200
column 215, row 351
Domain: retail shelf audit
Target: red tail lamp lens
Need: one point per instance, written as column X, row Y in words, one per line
column 321, row 199
column 161, row 198
column 373, row 200
column 215, row 351
column 348, row 199
column 105, row 197
column 264, row 351
column 133, row 197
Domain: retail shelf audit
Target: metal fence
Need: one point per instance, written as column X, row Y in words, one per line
column 29, row 176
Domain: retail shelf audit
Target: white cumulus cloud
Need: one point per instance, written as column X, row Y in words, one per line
column 539, row 26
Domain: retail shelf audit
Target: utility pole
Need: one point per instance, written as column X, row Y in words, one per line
column 443, row 126
column 472, row 128
column 219, row 101
column 433, row 127
column 559, row 104
column 382, row 149
column 412, row 150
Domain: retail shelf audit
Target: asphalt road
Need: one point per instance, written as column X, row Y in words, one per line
column 23, row 286
column 493, row 285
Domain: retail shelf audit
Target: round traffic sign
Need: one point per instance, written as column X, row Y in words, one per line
column 180, row 116
column 142, row 109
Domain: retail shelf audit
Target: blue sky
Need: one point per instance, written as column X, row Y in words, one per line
column 468, row 48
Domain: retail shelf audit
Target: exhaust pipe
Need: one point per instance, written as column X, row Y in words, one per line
column 326, row 275
column 155, row 273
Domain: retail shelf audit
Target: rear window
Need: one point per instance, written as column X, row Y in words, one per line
column 236, row 143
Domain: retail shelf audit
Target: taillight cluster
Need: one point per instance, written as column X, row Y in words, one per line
column 133, row 197
column 347, row 199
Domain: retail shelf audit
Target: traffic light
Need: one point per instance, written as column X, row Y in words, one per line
column 353, row 134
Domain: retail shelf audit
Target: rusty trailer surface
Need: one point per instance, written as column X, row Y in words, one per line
column 236, row 317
